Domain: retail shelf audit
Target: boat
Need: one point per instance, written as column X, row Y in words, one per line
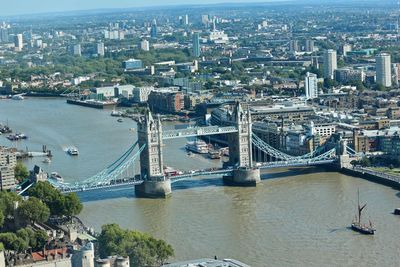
column 357, row 225
column 396, row 211
column 120, row 120
column 116, row 113
column 197, row 146
column 17, row 137
column 214, row 154
column 55, row 176
column 47, row 160
column 17, row 97
column 73, row 151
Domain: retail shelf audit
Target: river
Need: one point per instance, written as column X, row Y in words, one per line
column 295, row 217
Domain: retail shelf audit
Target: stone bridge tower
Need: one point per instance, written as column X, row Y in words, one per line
column 240, row 149
column 151, row 159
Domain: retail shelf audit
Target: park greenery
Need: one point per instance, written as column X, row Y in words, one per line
column 21, row 172
column 142, row 249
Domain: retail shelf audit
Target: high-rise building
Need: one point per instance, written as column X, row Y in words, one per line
column 346, row 48
column 145, row 45
column 3, row 35
column 311, row 85
column 100, row 49
column 76, row 50
column 186, row 20
column 18, row 42
column 196, row 44
column 383, row 69
column 330, row 63
column 309, row 45
column 293, row 45
column 8, row 161
column 154, row 30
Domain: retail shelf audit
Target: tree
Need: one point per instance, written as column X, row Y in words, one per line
column 34, row 210
column 21, row 172
column 7, row 200
column 72, row 205
column 142, row 249
column 12, row 242
column 365, row 162
column 50, row 196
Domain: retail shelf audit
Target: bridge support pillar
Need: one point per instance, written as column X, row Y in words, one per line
column 243, row 176
column 154, row 188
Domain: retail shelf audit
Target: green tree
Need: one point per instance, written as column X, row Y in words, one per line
column 72, row 205
column 365, row 162
column 41, row 239
column 50, row 196
column 142, row 249
column 34, row 210
column 12, row 242
column 7, row 200
column 21, row 172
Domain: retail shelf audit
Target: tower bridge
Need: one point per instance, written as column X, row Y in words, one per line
column 241, row 169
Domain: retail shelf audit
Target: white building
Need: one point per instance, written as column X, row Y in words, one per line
column 141, row 94
column 100, row 49
column 311, row 85
column 145, row 45
column 330, row 63
column 383, row 70
column 218, row 37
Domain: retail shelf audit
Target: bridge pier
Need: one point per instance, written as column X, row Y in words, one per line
column 160, row 188
column 243, row 176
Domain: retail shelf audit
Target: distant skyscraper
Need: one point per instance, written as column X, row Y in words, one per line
column 154, row 30
column 309, row 45
column 186, row 20
column 18, row 42
column 196, row 44
column 330, row 63
column 76, row 50
column 311, row 85
column 383, row 69
column 3, row 35
column 145, row 45
column 293, row 45
column 346, row 48
column 205, row 20
column 100, row 49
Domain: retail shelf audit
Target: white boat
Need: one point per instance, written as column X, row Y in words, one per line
column 57, row 177
column 197, row 146
column 116, row 113
column 47, row 160
column 17, row 97
column 73, row 151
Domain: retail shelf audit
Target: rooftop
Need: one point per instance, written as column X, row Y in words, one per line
column 208, row 263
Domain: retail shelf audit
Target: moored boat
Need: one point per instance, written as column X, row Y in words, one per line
column 396, row 211
column 197, row 146
column 57, row 177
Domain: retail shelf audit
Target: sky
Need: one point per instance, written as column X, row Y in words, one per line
column 18, row 7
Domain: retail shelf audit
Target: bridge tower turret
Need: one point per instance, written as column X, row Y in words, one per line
column 151, row 159
column 240, row 149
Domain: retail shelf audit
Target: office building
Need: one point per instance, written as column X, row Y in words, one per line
column 186, row 20
column 3, row 35
column 132, row 64
column 145, row 45
column 154, row 29
column 346, row 48
column 100, row 49
column 383, row 69
column 309, row 45
column 141, row 94
column 293, row 45
column 311, row 85
column 76, row 50
column 196, row 44
column 18, row 42
column 330, row 63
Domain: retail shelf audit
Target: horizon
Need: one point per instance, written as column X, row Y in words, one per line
column 36, row 7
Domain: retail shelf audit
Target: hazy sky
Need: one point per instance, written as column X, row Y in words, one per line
column 14, row 7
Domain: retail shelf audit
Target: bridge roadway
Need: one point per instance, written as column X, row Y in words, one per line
column 188, row 175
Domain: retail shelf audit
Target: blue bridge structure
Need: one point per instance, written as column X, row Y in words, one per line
column 241, row 169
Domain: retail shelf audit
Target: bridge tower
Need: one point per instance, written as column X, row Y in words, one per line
column 151, row 159
column 342, row 155
column 240, row 149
